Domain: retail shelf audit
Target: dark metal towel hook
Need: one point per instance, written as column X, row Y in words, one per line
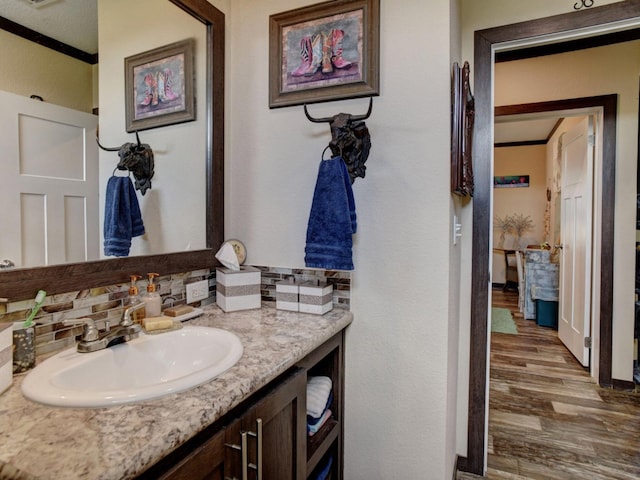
column 353, row 118
column 137, row 158
column 350, row 139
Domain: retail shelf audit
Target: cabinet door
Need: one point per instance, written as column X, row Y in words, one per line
column 272, row 432
column 204, row 463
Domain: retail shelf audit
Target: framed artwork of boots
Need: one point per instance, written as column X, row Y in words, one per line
column 327, row 51
column 159, row 86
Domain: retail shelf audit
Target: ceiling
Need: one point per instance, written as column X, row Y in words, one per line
column 522, row 128
column 74, row 22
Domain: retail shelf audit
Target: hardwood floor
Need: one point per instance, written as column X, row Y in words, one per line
column 547, row 418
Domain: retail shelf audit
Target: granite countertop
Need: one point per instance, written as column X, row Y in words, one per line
column 40, row 442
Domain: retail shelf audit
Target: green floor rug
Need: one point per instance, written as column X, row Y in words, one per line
column 502, row 321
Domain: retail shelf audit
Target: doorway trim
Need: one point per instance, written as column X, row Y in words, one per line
column 485, row 42
column 607, row 106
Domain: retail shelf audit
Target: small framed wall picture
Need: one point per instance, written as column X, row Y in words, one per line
column 511, row 181
column 327, row 51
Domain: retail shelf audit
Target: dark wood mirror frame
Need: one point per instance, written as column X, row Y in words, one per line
column 24, row 283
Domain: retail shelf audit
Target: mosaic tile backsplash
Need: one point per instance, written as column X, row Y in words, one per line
column 340, row 280
column 107, row 303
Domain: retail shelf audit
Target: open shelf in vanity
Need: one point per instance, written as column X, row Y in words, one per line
column 327, row 360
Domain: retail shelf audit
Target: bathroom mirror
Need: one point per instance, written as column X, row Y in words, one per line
column 23, row 283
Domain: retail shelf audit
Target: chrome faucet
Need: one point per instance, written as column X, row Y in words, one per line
column 92, row 339
column 126, row 315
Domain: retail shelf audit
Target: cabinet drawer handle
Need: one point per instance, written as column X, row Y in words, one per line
column 245, row 460
column 234, row 446
column 258, row 436
column 259, row 459
column 243, row 452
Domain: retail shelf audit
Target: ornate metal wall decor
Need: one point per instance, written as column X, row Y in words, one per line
column 350, row 139
column 583, row 4
column 462, row 117
column 136, row 158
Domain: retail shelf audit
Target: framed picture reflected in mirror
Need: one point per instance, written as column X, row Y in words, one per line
column 159, row 87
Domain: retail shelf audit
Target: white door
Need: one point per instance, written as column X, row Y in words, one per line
column 576, row 231
column 49, row 174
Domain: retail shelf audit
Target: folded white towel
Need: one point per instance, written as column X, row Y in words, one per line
column 318, row 391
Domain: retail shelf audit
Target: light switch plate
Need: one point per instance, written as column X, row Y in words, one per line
column 197, row 291
column 457, row 230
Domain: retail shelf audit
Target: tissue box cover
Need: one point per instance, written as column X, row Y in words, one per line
column 287, row 295
column 6, row 355
column 315, row 298
column 238, row 290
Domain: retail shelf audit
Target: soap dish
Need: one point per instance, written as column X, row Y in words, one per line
column 177, row 325
column 196, row 312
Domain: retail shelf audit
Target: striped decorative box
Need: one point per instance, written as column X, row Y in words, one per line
column 238, row 290
column 6, row 356
column 287, row 295
column 316, row 297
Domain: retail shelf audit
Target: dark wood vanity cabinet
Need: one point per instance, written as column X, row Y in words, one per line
column 265, row 438
column 262, row 440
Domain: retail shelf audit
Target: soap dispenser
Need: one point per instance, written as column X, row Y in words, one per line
column 134, row 299
column 153, row 303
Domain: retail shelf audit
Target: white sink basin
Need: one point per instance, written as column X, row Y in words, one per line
column 144, row 368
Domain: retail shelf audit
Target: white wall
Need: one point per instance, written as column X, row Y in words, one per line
column 582, row 74
column 460, row 252
column 599, row 80
column 527, row 201
column 402, row 346
column 172, row 210
column 401, row 349
column 407, row 289
column 481, row 14
column 478, row 15
column 31, row 69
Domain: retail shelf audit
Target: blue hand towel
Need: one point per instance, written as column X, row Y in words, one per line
column 122, row 217
column 332, row 220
